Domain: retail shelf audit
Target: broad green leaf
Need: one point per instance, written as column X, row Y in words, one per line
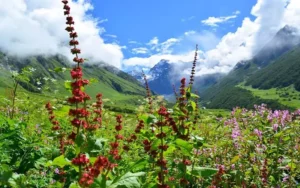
column 235, row 159
column 74, row 185
column 68, row 85
column 202, row 171
column 194, row 96
column 184, row 146
column 93, row 80
column 80, row 138
column 129, row 180
column 60, row 161
column 99, row 182
column 139, row 165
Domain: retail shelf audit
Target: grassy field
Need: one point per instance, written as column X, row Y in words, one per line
column 288, row 96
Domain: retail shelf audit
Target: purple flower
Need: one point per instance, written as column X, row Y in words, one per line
column 233, row 166
column 285, row 178
column 56, row 171
column 258, row 133
column 275, row 126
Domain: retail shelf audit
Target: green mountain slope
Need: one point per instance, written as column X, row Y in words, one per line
column 282, row 73
column 227, row 94
column 119, row 87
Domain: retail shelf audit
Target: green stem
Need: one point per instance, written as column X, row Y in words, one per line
column 14, row 99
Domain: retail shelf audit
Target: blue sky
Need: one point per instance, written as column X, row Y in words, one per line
column 140, row 21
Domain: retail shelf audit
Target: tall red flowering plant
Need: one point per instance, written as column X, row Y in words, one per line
column 85, row 119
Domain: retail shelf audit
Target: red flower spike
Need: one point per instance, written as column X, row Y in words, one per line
column 162, row 111
column 67, row 8
column 69, row 28
column 118, row 127
column 55, row 128
column 75, row 51
column 187, row 162
column 119, row 137
column 114, row 145
column 78, row 60
column 73, row 35
column 73, row 43
column 80, row 160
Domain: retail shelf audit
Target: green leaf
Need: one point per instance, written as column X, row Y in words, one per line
column 68, row 85
column 292, row 165
column 93, row 80
column 74, row 185
column 6, row 174
column 194, row 96
column 235, row 159
column 155, row 144
column 80, row 138
column 40, row 162
column 99, row 182
column 139, row 165
column 202, row 171
column 129, row 180
column 60, row 161
column 193, row 106
column 184, row 146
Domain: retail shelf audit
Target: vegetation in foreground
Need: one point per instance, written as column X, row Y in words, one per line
column 83, row 145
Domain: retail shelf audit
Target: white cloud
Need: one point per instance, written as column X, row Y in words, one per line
column 140, row 50
column 235, row 46
column 133, row 42
column 102, row 21
column 154, row 59
column 153, row 41
column 163, row 47
column 110, row 35
column 174, row 49
column 214, row 21
column 187, row 19
column 31, row 27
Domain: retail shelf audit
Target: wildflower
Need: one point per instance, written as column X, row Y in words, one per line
column 56, row 171
column 275, row 127
column 193, row 67
column 81, row 159
column 258, row 133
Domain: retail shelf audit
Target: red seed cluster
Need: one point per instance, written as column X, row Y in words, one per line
column 193, row 67
column 115, row 145
column 148, row 93
column 139, row 126
column 101, row 164
column 54, row 122
column 80, row 160
column 218, row 177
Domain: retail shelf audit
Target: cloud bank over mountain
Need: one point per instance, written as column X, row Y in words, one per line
column 31, row 27
column 250, row 37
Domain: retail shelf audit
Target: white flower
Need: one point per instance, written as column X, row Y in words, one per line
column 31, row 69
column 14, row 73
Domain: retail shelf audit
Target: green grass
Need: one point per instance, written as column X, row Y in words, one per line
column 288, row 96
